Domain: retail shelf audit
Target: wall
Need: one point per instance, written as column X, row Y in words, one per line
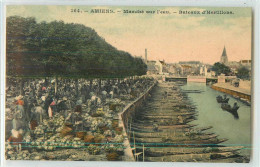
column 127, row 113
column 244, row 84
column 221, row 79
column 232, row 92
column 196, row 79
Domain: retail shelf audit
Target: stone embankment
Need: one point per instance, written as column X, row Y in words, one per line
column 241, row 93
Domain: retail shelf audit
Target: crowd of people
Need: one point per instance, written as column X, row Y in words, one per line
column 41, row 99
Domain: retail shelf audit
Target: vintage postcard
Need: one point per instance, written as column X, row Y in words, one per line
column 117, row 83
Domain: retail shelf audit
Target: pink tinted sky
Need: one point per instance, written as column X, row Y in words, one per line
column 171, row 37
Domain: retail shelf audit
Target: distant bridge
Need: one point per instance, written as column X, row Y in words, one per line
column 201, row 79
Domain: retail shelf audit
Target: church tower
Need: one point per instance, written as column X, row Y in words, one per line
column 224, row 58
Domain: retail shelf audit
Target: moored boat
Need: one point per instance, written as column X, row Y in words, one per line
column 220, row 99
column 227, row 107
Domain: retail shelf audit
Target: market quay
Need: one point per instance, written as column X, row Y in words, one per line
column 130, row 119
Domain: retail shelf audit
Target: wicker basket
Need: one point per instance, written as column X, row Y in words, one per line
column 66, row 131
column 88, row 139
column 80, row 135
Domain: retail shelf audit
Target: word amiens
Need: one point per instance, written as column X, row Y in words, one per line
column 101, row 11
column 205, row 12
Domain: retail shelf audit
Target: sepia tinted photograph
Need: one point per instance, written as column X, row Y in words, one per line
column 125, row 83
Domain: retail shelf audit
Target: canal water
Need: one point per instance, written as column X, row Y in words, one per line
column 237, row 131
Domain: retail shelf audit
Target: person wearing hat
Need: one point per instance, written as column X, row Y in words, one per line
column 19, row 116
column 75, row 118
column 63, row 106
column 47, row 102
column 53, row 105
column 60, row 105
column 19, row 121
column 38, row 114
column 78, row 107
column 19, row 100
column 235, row 106
column 69, row 104
column 104, row 95
column 27, row 111
column 44, row 89
column 19, row 103
column 15, row 140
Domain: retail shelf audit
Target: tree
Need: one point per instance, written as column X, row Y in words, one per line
column 65, row 50
column 18, row 32
column 243, row 73
column 220, row 68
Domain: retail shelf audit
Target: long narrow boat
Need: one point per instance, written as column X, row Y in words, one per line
column 163, row 122
column 228, row 108
column 163, row 151
column 193, row 157
column 146, row 117
column 188, row 142
column 172, row 138
column 179, row 134
column 138, row 127
column 151, row 113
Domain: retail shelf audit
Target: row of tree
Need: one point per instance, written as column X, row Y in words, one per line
column 242, row 72
column 66, row 50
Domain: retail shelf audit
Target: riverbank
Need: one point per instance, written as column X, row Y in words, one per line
column 243, row 93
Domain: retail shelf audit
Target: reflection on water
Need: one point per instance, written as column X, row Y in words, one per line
column 238, row 131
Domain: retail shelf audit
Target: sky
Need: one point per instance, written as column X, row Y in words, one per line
column 171, row 37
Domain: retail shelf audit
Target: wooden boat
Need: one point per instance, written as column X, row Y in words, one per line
column 192, row 91
column 170, row 114
column 220, row 99
column 146, row 117
column 137, row 127
column 192, row 157
column 227, row 107
column 159, row 142
column 166, row 122
column 232, row 110
column 166, row 134
column 174, row 138
column 163, row 151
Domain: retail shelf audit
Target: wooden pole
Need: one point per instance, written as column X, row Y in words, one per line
column 143, row 152
column 56, row 85
column 21, row 91
column 127, row 125
column 77, row 86
column 130, row 131
column 134, row 141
